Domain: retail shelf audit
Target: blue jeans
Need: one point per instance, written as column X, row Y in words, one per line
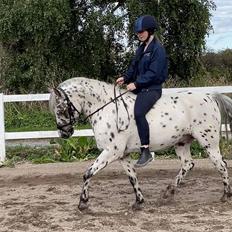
column 144, row 102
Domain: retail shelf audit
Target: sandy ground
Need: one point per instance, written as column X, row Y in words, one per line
column 45, row 198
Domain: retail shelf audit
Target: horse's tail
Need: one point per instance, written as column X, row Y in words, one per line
column 225, row 105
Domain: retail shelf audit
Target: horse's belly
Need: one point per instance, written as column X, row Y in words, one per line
column 161, row 138
column 163, row 133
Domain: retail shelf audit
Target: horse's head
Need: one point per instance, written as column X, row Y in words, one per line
column 65, row 112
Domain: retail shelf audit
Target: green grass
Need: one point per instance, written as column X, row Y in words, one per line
column 31, row 117
column 28, row 117
column 84, row 148
column 37, row 117
column 70, row 150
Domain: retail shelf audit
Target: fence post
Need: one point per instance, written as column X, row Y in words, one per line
column 2, row 131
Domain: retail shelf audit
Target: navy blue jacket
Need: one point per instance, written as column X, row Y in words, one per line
column 149, row 69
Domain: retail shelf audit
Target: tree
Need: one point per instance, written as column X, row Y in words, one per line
column 183, row 27
column 45, row 42
column 184, row 35
column 32, row 34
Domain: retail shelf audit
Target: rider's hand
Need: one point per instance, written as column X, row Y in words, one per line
column 131, row 86
column 120, row 81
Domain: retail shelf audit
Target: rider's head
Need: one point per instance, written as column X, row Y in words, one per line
column 145, row 26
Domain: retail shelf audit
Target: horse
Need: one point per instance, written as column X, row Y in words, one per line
column 175, row 120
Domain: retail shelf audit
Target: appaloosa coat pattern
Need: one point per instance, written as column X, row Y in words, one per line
column 175, row 120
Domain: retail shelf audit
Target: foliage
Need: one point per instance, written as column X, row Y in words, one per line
column 226, row 147
column 19, row 154
column 32, row 117
column 81, row 148
column 185, row 26
column 219, row 65
column 28, row 117
column 85, row 148
column 45, row 42
column 32, row 33
column 220, row 60
column 70, row 150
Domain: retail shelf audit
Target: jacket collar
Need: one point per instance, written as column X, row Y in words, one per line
column 151, row 46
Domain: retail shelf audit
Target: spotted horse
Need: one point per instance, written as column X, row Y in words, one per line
column 175, row 120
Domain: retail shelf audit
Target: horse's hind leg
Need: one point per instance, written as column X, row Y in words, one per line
column 208, row 136
column 187, row 164
column 130, row 171
column 215, row 156
column 183, row 153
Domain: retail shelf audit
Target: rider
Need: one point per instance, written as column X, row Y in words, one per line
column 144, row 77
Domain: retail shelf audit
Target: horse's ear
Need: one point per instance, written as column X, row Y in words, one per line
column 57, row 92
column 50, row 90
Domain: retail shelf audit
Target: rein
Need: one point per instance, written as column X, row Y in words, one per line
column 114, row 99
column 72, row 108
column 125, row 106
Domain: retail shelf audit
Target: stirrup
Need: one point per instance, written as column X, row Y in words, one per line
column 145, row 157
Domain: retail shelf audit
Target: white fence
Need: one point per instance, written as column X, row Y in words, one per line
column 54, row 134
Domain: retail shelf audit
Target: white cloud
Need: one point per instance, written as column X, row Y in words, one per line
column 221, row 36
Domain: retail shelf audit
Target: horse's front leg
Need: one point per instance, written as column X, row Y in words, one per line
column 130, row 171
column 107, row 156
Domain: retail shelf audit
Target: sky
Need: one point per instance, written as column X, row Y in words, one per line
column 221, row 36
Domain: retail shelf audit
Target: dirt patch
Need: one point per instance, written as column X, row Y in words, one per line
column 45, row 198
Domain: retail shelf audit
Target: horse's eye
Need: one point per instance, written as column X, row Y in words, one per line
column 61, row 109
column 66, row 113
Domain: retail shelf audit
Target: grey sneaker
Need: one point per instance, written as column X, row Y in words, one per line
column 145, row 157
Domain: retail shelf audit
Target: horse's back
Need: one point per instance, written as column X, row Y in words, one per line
column 186, row 104
column 180, row 114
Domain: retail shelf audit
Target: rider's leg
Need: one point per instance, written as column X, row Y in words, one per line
column 144, row 102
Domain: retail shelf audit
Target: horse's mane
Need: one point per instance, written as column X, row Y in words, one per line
column 51, row 102
column 101, row 86
column 82, row 80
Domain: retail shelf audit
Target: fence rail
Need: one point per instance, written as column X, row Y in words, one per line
column 54, row 134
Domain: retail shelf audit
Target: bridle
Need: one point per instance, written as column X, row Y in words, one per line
column 72, row 109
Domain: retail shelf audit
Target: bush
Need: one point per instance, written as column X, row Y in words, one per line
column 81, row 148
column 34, row 36
column 47, row 42
column 28, row 117
column 219, row 66
column 73, row 149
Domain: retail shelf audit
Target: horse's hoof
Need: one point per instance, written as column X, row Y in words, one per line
column 137, row 206
column 226, row 197
column 82, row 206
column 168, row 194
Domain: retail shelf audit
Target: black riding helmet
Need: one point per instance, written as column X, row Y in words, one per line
column 145, row 23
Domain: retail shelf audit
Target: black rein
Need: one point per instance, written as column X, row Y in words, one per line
column 72, row 108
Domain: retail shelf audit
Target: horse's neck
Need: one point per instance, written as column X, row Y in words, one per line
column 90, row 95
